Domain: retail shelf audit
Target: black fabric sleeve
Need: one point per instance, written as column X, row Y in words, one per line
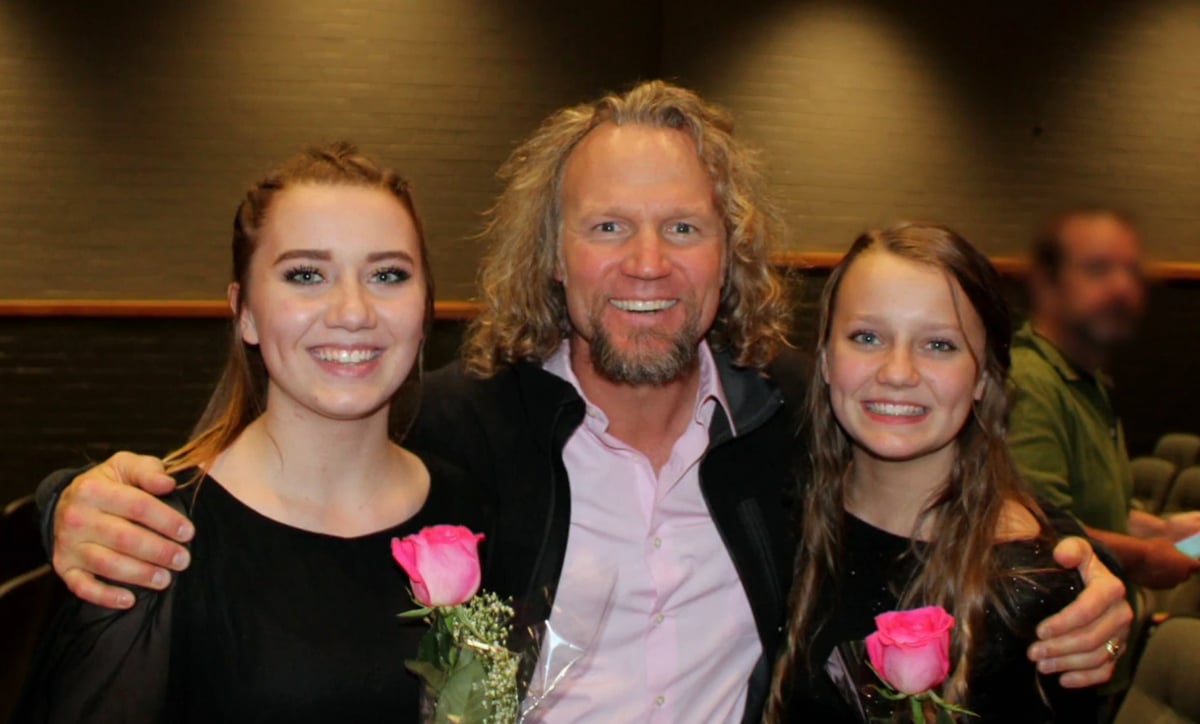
column 101, row 666
column 1066, row 525
column 47, row 498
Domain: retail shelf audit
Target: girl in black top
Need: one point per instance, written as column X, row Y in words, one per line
column 914, row 500
column 288, row 611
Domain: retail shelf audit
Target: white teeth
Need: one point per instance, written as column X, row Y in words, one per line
column 346, row 356
column 644, row 305
column 896, row 409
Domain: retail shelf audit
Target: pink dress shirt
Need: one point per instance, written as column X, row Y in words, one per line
column 678, row 641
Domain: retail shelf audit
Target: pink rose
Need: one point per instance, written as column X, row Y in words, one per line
column 442, row 562
column 911, row 649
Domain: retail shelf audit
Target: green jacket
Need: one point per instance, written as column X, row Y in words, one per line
column 1065, row 436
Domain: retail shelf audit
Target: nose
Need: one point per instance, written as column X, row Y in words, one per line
column 898, row 369
column 350, row 306
column 647, row 256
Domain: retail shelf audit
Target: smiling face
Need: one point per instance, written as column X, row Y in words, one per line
column 902, row 379
column 643, row 252
column 336, row 300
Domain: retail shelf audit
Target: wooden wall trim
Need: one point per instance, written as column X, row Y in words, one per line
column 448, row 310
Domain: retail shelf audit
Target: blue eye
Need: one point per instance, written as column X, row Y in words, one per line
column 682, row 227
column 305, row 275
column 942, row 345
column 864, row 338
column 392, row 275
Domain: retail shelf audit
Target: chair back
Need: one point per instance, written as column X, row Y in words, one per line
column 28, row 604
column 1164, row 687
column 1185, row 491
column 1181, row 448
column 20, row 542
column 1152, row 478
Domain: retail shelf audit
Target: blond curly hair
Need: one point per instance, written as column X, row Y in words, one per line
column 525, row 314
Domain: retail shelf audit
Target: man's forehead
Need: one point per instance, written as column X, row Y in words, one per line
column 1098, row 233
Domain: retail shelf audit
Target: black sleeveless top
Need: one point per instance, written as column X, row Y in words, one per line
column 1004, row 685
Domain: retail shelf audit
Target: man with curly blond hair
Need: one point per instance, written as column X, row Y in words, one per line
column 628, row 406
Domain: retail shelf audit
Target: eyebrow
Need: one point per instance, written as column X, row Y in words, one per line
column 935, row 326
column 326, row 255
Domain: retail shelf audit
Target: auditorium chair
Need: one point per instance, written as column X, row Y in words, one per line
column 1185, row 491
column 20, row 544
column 1152, row 478
column 1164, row 689
column 1180, row 448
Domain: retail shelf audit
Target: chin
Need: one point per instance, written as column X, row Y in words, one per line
column 349, row 409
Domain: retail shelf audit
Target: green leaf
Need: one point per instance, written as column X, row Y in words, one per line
column 434, row 677
column 462, row 698
column 943, row 717
column 415, row 613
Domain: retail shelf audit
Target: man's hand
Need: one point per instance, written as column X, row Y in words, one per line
column 1072, row 641
column 1163, row 566
column 104, row 525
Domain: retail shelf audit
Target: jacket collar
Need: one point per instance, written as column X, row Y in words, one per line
column 750, row 399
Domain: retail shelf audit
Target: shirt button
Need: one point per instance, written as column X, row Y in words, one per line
column 659, row 701
column 657, row 542
column 659, row 618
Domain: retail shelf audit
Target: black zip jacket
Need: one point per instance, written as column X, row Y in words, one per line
column 508, row 433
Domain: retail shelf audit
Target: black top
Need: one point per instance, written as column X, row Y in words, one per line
column 270, row 623
column 1004, row 685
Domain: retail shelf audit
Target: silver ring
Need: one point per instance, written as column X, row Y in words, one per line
column 1113, row 647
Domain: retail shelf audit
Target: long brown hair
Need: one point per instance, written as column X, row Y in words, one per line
column 958, row 567
column 525, row 314
column 241, row 393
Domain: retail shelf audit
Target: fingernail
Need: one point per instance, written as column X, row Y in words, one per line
column 160, row 579
column 1047, row 666
column 1038, row 652
column 180, row 560
column 124, row 600
column 185, row 532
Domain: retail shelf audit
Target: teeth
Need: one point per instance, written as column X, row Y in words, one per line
column 644, row 305
column 896, row 409
column 347, row 356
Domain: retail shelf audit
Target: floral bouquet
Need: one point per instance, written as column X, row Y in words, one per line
column 907, row 658
column 469, row 674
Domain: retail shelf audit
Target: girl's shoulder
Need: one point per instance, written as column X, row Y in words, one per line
column 1016, row 523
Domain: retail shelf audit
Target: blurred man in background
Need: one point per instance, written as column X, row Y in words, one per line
column 1087, row 296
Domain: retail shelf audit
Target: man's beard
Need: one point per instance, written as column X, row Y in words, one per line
column 1111, row 326
column 646, row 366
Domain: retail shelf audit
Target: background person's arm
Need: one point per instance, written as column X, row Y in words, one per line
column 107, row 522
column 1152, row 562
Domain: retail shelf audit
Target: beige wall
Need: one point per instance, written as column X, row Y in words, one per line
column 986, row 116
column 128, row 131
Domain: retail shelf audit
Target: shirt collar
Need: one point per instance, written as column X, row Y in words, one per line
column 1061, row 364
column 709, row 389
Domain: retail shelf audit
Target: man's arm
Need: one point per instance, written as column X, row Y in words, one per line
column 1038, row 443
column 107, row 522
